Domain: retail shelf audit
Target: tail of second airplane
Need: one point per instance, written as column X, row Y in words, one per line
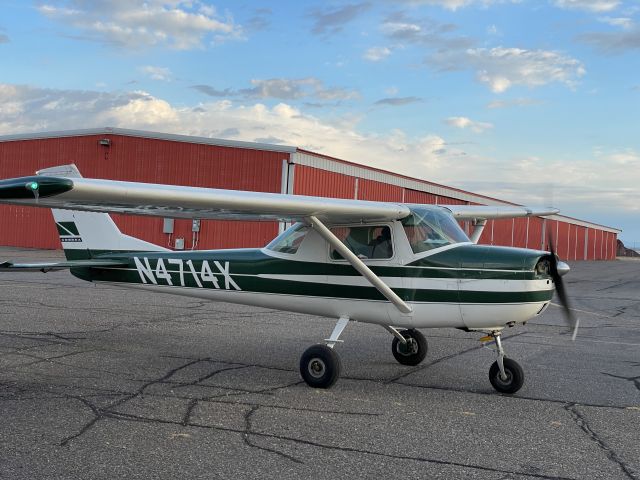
column 84, row 235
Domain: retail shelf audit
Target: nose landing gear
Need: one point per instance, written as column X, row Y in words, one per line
column 505, row 375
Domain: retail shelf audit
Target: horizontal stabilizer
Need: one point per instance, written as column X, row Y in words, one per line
column 51, row 266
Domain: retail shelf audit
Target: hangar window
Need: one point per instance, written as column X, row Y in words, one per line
column 289, row 241
column 428, row 228
column 372, row 242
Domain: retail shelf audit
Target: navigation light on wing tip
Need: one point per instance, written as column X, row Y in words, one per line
column 34, row 187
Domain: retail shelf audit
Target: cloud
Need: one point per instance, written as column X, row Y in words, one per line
column 375, row 54
column 157, row 73
column 398, row 101
column 331, row 21
column 26, row 109
column 261, row 20
column 139, row 24
column 455, row 4
column 623, row 22
column 515, row 102
column 501, row 68
column 213, row 92
column 405, row 29
column 613, row 42
column 464, row 122
column 588, row 5
column 284, row 89
column 4, row 38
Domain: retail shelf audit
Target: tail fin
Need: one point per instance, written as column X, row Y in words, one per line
column 86, row 234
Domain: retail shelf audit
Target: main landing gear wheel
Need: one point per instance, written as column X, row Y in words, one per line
column 320, row 366
column 412, row 352
column 513, row 373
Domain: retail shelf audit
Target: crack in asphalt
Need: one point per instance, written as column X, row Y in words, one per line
column 244, row 431
column 582, row 422
column 248, row 427
column 635, row 380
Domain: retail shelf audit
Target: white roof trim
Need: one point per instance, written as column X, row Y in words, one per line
column 583, row 223
column 153, row 135
column 362, row 171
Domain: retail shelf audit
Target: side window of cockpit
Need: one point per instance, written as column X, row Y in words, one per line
column 290, row 240
column 367, row 242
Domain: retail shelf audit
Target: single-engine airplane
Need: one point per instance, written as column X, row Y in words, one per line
column 400, row 266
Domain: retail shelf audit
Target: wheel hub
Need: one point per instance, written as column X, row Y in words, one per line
column 508, row 378
column 317, row 367
column 409, row 348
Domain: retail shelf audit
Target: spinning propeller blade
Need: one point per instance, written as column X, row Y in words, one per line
column 572, row 321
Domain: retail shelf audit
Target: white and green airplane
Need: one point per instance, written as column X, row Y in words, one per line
column 400, row 266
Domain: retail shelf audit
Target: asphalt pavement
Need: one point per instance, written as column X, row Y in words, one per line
column 101, row 382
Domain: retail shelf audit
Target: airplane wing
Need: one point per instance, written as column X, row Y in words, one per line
column 481, row 212
column 76, row 193
column 51, row 266
column 63, row 187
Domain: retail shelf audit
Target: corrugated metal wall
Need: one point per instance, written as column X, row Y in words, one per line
column 143, row 160
column 320, row 183
column 378, row 191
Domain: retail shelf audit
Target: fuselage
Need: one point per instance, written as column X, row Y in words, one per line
column 462, row 285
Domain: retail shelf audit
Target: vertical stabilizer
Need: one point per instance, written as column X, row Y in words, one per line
column 86, row 234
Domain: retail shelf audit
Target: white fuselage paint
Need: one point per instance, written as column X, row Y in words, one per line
column 381, row 312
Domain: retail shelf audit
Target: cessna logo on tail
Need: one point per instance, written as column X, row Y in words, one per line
column 68, row 232
column 201, row 276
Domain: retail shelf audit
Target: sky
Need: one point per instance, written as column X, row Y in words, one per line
column 531, row 101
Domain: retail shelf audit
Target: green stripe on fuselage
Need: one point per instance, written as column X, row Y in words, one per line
column 243, row 266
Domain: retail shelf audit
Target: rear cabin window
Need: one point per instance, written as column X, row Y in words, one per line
column 290, row 240
column 364, row 241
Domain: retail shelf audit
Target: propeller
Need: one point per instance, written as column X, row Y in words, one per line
column 572, row 321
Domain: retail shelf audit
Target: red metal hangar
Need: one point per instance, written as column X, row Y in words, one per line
column 141, row 156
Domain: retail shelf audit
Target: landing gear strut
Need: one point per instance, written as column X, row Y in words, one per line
column 505, row 375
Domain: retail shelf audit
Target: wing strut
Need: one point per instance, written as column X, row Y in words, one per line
column 356, row 263
column 479, row 224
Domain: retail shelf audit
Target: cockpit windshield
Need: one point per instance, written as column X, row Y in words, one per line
column 289, row 241
column 429, row 228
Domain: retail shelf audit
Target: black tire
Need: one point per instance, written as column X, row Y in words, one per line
column 414, row 352
column 515, row 377
column 320, row 366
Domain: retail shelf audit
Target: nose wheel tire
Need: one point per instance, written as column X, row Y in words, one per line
column 320, row 366
column 514, row 376
column 414, row 351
